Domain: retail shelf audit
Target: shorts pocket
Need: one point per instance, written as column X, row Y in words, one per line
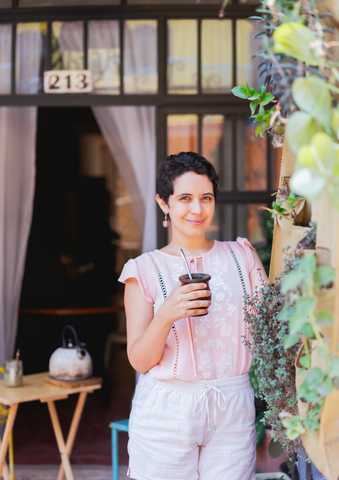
column 141, row 396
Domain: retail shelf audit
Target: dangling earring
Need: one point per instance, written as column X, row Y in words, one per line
column 165, row 222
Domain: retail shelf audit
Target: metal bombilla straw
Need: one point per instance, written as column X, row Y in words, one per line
column 186, row 264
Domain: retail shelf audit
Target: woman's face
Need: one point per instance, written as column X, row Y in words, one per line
column 191, row 207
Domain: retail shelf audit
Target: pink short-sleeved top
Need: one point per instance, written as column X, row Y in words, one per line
column 211, row 346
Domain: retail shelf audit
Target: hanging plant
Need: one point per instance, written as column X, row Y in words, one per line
column 300, row 79
column 274, row 367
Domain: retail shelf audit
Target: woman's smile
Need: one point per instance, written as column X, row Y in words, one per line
column 195, row 222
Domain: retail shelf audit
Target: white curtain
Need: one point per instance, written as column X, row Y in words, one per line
column 130, row 135
column 17, row 180
column 5, row 58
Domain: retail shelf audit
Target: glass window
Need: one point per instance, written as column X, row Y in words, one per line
column 217, row 147
column 251, row 157
column 5, row 58
column 181, row 2
column 67, row 46
column 182, row 133
column 65, row 3
column 216, row 56
column 249, row 224
column 232, row 221
column 247, row 70
column 30, row 57
column 222, row 228
column 5, row 3
column 140, row 56
column 104, row 56
column 182, row 60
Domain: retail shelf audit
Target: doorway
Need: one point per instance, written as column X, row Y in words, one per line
column 83, row 231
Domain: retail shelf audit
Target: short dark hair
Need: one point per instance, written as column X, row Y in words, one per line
column 176, row 165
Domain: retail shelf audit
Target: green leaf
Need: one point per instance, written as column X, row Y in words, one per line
column 323, row 276
column 300, row 129
column 308, row 183
column 333, row 368
column 261, row 89
column 253, row 106
column 306, row 361
column 308, row 263
column 314, row 378
column 240, row 92
column 257, row 130
column 324, row 318
column 326, row 387
column 294, row 39
column 313, row 97
column 307, row 330
column 266, row 98
column 275, row 449
column 292, row 280
column 291, row 340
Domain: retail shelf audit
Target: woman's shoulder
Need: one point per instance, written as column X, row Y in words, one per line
column 241, row 247
column 142, row 270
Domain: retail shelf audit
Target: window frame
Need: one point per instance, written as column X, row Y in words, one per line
column 165, row 103
column 233, row 197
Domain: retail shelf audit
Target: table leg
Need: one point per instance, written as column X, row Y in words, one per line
column 60, row 440
column 73, row 430
column 7, row 433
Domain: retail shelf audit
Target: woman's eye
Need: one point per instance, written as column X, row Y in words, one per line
column 208, row 199
column 184, row 198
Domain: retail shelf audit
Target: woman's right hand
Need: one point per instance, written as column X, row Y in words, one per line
column 185, row 301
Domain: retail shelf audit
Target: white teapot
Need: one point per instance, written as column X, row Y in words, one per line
column 71, row 361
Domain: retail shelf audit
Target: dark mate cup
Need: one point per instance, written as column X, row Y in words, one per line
column 198, row 278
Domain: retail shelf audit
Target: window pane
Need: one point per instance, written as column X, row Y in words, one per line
column 182, row 61
column 182, row 133
column 5, row 3
column 217, row 147
column 30, row 57
column 66, row 3
column 222, row 228
column 67, row 46
column 249, row 224
column 251, row 157
column 104, row 56
column 140, row 56
column 5, row 58
column 232, row 221
column 181, row 2
column 216, row 56
column 247, row 70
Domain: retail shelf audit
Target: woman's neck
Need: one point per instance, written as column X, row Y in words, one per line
column 191, row 246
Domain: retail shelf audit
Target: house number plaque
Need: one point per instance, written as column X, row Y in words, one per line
column 68, row 81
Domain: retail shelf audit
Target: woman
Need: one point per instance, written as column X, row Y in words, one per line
column 193, row 411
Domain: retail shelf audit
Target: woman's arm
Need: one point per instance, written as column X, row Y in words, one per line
column 257, row 273
column 146, row 336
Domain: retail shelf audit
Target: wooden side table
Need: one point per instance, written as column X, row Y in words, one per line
column 35, row 388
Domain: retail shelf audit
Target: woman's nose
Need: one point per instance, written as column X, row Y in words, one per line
column 196, row 208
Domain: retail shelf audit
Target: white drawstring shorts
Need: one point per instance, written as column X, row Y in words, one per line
column 188, row 431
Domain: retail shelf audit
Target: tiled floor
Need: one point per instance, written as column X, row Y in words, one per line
column 34, row 441
column 49, row 472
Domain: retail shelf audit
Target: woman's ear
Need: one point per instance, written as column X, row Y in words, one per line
column 162, row 204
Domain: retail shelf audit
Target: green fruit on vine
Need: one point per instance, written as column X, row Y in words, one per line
column 323, row 144
column 305, row 156
column 336, row 164
column 335, row 122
